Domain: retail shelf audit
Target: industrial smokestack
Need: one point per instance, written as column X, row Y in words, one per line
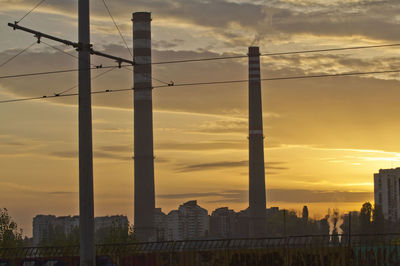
column 257, row 201
column 143, row 129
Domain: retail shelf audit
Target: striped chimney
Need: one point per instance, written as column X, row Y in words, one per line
column 257, row 201
column 143, row 129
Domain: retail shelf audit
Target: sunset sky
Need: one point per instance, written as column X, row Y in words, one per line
column 324, row 138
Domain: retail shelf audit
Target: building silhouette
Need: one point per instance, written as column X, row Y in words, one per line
column 386, row 192
column 44, row 226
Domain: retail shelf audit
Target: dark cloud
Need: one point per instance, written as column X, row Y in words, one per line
column 271, row 19
column 326, row 112
column 97, row 154
column 65, row 154
column 278, row 195
column 212, row 166
column 116, row 148
column 201, row 146
column 162, row 44
column 313, row 196
column 61, row 193
column 226, row 165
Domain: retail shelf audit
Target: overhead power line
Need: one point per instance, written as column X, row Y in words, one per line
column 30, row 11
column 16, row 55
column 55, row 72
column 60, row 50
column 211, row 83
column 213, row 58
column 116, row 26
column 276, row 54
column 93, row 78
column 334, row 49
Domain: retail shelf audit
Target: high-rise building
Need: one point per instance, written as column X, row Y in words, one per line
column 387, row 192
column 45, row 226
column 175, row 225
column 196, row 223
column 42, row 225
column 222, row 222
column 160, row 222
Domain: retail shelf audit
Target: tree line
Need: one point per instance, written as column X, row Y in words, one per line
column 368, row 221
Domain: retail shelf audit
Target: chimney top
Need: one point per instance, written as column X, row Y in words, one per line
column 141, row 16
column 254, row 51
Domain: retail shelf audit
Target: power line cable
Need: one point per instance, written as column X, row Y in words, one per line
column 159, row 80
column 55, row 72
column 213, row 83
column 30, row 11
column 116, row 26
column 76, row 57
column 276, row 54
column 333, row 49
column 93, row 78
column 58, row 49
column 206, row 59
column 16, row 55
column 69, row 54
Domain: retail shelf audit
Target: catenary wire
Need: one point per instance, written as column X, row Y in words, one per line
column 69, row 54
column 55, row 72
column 93, row 78
column 30, row 11
column 159, row 80
column 276, row 54
column 116, row 26
column 76, row 57
column 58, row 49
column 212, row 83
column 207, row 59
column 16, row 55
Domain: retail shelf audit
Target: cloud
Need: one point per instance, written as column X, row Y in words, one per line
column 61, row 193
column 97, row 154
column 241, row 22
column 329, row 112
column 312, row 196
column 227, row 165
column 163, row 44
column 276, row 195
column 201, row 146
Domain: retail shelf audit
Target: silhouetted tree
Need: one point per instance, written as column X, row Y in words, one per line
column 304, row 215
column 10, row 235
column 59, row 238
column 116, row 234
column 365, row 218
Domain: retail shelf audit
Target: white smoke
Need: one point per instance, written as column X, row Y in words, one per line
column 335, row 221
column 266, row 26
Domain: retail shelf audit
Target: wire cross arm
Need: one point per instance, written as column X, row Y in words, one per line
column 40, row 35
column 119, row 60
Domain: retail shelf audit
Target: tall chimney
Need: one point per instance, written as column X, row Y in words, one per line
column 143, row 129
column 257, row 202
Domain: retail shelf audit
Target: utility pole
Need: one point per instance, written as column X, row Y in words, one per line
column 143, row 129
column 86, row 201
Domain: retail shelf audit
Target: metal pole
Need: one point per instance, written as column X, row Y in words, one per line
column 86, row 204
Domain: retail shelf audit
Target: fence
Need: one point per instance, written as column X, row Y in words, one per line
column 381, row 249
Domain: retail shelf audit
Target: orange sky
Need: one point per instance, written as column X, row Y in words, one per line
column 324, row 137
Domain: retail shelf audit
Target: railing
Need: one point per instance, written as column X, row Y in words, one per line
column 341, row 249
